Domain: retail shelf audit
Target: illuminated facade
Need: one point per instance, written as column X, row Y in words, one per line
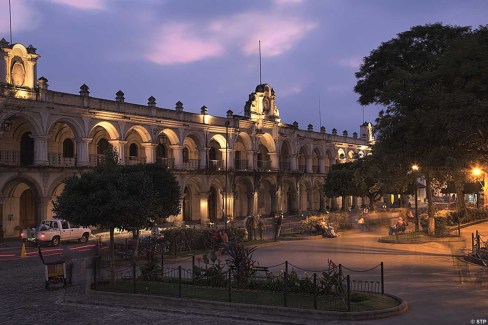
column 232, row 165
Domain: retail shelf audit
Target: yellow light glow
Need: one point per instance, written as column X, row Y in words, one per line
column 476, row 171
column 415, row 167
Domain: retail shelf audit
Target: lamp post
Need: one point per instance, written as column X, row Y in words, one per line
column 477, row 173
column 415, row 169
column 226, row 172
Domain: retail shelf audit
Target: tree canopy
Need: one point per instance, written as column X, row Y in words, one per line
column 115, row 196
column 432, row 81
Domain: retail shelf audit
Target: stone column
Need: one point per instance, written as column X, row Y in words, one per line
column 203, row 154
column 230, row 162
column 82, row 152
column 294, row 162
column 275, row 161
column 120, row 147
column 40, row 150
column 150, row 151
column 178, row 155
column 322, row 165
column 308, row 165
column 250, row 159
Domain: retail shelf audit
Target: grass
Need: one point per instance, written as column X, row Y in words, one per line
column 360, row 301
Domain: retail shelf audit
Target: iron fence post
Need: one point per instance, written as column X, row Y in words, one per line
column 285, row 288
column 162, row 263
column 95, row 274
column 179, row 281
column 134, row 275
column 382, row 280
column 230, row 285
column 348, row 298
column 192, row 268
column 472, row 243
column 315, row 291
column 477, row 242
column 286, row 266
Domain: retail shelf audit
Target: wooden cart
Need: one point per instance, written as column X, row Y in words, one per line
column 55, row 272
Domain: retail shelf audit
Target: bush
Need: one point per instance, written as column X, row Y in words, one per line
column 190, row 239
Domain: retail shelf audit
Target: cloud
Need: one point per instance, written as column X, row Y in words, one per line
column 351, row 62
column 281, row 3
column 290, row 91
column 189, row 42
column 178, row 44
column 82, row 4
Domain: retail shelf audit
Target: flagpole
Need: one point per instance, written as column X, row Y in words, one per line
column 10, row 14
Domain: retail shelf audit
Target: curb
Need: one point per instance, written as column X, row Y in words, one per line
column 260, row 313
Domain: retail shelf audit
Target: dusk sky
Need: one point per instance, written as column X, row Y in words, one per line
column 205, row 52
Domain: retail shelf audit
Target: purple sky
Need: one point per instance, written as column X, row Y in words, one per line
column 205, row 52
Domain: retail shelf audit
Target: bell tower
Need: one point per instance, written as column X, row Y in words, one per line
column 262, row 104
column 18, row 70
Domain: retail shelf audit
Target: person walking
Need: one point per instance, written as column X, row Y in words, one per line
column 261, row 228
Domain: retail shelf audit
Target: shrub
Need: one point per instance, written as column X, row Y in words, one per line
column 212, row 273
column 241, row 261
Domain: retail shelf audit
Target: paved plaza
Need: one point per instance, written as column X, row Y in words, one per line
column 438, row 286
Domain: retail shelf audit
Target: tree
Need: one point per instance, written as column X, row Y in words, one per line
column 411, row 75
column 149, row 193
column 114, row 196
column 339, row 182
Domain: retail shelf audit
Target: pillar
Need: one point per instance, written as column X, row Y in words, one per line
column 82, row 152
column 227, row 157
column 308, row 165
column 250, row 159
column 275, row 161
column 120, row 147
column 150, row 152
column 294, row 162
column 178, row 155
column 40, row 150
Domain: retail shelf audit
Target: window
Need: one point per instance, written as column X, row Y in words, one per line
column 68, row 148
column 65, row 225
column 186, row 154
column 102, row 146
column 160, row 151
column 133, row 150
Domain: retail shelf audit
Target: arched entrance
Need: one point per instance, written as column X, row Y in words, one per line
column 27, row 210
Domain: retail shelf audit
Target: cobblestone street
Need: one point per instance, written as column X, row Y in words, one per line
column 438, row 286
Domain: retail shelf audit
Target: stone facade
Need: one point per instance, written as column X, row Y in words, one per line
column 232, row 165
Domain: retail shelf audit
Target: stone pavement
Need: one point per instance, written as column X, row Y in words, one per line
column 439, row 287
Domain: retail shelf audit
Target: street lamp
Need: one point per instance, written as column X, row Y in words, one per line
column 477, row 172
column 415, row 169
column 226, row 172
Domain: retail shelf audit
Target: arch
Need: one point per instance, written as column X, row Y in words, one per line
column 112, row 131
column 286, row 144
column 141, row 131
column 245, row 140
column 197, row 137
column 170, row 135
column 267, row 140
column 319, row 151
column 21, row 200
column 305, row 149
column 341, row 155
column 220, row 139
column 74, row 124
column 243, row 197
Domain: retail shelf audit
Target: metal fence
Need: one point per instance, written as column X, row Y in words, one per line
column 291, row 285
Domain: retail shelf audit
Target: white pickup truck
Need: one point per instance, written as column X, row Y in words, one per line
column 56, row 230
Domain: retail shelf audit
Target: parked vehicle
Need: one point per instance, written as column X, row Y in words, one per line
column 54, row 231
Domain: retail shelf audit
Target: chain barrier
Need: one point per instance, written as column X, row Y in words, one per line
column 359, row 271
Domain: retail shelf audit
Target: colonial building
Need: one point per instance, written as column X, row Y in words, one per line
column 231, row 165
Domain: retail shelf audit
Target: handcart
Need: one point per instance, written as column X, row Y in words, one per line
column 55, row 272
